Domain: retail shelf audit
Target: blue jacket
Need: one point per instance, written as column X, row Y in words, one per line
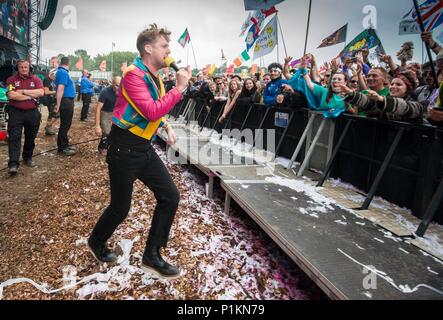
column 272, row 90
column 87, row 86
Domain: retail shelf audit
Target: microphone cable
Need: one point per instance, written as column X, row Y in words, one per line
column 56, row 149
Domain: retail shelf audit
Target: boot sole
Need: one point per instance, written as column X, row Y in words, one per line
column 148, row 269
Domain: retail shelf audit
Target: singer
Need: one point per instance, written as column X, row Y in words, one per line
column 140, row 106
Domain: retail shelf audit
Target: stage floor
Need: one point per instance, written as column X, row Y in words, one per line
column 345, row 253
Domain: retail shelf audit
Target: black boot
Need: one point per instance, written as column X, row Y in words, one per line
column 153, row 262
column 101, row 252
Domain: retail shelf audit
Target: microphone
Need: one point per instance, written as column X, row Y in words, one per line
column 170, row 62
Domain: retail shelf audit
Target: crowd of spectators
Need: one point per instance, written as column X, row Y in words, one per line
column 405, row 92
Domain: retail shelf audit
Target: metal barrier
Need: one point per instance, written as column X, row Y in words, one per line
column 400, row 162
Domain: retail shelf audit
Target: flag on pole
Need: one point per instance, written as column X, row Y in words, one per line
column 337, row 37
column 432, row 16
column 102, row 66
column 230, row 70
column 260, row 4
column 369, row 40
column 246, row 24
column 185, row 38
column 252, row 36
column 244, row 56
column 212, row 70
column 254, row 69
column 79, row 64
column 267, row 40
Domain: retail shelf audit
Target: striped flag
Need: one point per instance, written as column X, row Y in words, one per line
column 185, row 38
column 431, row 13
column 244, row 56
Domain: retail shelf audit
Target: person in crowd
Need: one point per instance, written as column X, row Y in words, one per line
column 399, row 105
column 140, row 106
column 170, row 83
column 265, row 81
column 78, row 84
column 233, row 94
column 65, row 105
column 432, row 44
column 49, row 101
column 87, row 91
column 274, row 87
column 220, row 93
column 25, row 90
column 427, row 94
column 103, row 113
column 353, row 83
column 249, row 94
column 328, row 99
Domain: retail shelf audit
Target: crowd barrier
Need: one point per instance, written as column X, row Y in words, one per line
column 400, row 162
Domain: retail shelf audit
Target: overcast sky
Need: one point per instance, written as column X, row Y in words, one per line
column 215, row 24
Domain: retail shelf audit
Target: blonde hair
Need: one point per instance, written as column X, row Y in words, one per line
column 150, row 35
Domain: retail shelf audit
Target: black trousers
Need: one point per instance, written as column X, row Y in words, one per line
column 125, row 166
column 66, row 114
column 19, row 119
column 86, row 98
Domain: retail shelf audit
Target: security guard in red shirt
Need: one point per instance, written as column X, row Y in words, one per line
column 25, row 89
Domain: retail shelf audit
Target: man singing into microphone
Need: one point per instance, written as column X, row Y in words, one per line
column 138, row 113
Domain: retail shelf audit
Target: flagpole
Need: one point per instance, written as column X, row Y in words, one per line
column 428, row 50
column 307, row 28
column 195, row 60
column 187, row 60
column 282, row 37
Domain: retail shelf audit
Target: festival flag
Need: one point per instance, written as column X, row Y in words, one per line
column 54, row 62
column 246, row 24
column 432, row 16
column 369, row 40
column 79, row 64
column 185, row 38
column 254, row 69
column 267, row 40
column 206, row 69
column 260, row 4
column 212, row 70
column 337, row 37
column 252, row 36
column 230, row 70
column 244, row 56
column 102, row 66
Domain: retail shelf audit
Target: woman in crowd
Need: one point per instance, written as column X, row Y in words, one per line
column 248, row 96
column 328, row 99
column 399, row 105
column 233, row 94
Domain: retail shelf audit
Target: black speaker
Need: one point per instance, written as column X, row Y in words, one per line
column 51, row 8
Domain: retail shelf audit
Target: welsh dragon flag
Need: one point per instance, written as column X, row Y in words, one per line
column 185, row 38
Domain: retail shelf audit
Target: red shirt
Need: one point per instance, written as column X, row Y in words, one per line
column 28, row 83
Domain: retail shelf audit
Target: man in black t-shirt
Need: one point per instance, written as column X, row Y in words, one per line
column 48, row 100
column 103, row 112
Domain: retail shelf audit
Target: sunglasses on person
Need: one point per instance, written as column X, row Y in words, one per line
column 353, row 81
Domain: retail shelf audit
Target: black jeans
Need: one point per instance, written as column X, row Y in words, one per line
column 66, row 114
column 19, row 119
column 86, row 98
column 125, row 166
